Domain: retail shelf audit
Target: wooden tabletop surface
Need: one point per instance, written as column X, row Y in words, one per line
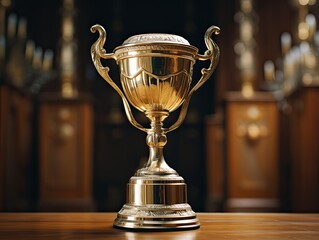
column 213, row 226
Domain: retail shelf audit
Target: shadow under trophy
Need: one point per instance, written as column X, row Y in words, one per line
column 156, row 74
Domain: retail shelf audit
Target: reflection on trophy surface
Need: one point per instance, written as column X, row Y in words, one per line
column 156, row 74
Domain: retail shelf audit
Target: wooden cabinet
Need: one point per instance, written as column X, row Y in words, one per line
column 215, row 162
column 252, row 153
column 16, row 145
column 65, row 154
column 304, row 149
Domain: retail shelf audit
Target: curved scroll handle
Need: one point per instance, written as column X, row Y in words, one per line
column 211, row 54
column 98, row 52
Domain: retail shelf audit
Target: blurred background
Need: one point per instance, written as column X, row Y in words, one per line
column 250, row 141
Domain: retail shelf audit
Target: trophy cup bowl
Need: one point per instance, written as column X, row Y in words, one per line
column 156, row 75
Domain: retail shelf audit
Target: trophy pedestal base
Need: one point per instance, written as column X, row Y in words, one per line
column 156, row 203
column 152, row 217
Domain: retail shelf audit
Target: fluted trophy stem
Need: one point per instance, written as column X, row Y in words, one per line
column 156, row 140
column 156, row 75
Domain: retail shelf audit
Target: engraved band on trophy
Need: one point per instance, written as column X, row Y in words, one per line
column 156, row 74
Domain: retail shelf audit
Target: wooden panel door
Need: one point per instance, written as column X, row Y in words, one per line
column 304, row 150
column 65, row 155
column 252, row 153
column 16, row 145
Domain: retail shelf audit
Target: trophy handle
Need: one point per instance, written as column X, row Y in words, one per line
column 98, row 52
column 212, row 54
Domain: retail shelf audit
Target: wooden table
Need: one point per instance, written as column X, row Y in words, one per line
column 213, row 226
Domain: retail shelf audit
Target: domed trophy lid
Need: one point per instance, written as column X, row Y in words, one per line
column 164, row 43
column 151, row 38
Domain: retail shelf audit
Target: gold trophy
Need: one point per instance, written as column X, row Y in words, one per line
column 156, row 74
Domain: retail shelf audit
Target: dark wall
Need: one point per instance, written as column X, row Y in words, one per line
column 120, row 18
column 123, row 18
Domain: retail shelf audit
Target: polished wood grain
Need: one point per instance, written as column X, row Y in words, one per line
column 213, row 226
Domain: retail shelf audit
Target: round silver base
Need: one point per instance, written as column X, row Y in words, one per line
column 156, row 203
column 157, row 217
